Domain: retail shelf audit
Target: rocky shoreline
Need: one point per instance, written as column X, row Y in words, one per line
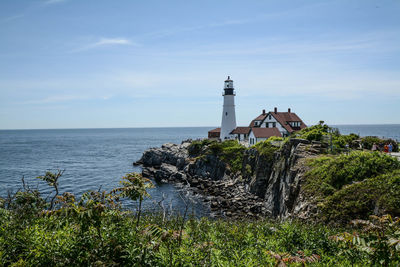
column 266, row 187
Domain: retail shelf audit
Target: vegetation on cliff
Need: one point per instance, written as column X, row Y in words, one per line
column 338, row 142
column 230, row 151
column 345, row 182
column 94, row 230
column 354, row 185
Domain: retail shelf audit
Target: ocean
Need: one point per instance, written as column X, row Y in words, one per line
column 99, row 158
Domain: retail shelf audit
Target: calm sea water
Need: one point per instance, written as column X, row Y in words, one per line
column 91, row 158
column 381, row 130
column 100, row 157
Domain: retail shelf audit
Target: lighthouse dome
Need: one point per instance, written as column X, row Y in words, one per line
column 228, row 86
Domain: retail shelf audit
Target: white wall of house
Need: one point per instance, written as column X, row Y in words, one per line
column 257, row 123
column 241, row 137
column 253, row 140
column 270, row 120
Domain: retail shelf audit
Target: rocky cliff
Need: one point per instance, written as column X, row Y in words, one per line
column 267, row 185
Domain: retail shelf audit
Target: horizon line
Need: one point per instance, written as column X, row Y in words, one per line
column 155, row 127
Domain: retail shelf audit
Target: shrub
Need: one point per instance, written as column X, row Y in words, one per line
column 266, row 149
column 231, row 152
column 313, row 133
column 196, row 147
column 355, row 185
column 338, row 171
column 377, row 195
column 378, row 238
column 368, row 141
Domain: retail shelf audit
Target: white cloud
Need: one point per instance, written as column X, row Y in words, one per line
column 105, row 42
column 50, row 2
column 12, row 18
column 111, row 41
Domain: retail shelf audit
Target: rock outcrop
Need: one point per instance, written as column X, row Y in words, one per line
column 266, row 187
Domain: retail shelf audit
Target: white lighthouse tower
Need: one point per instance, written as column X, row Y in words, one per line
column 228, row 123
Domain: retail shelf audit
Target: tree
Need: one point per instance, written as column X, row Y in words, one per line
column 134, row 187
column 52, row 180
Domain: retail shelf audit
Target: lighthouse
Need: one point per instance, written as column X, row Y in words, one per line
column 228, row 123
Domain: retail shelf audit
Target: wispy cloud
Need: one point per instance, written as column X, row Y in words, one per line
column 11, row 18
column 179, row 30
column 111, row 41
column 66, row 98
column 295, row 11
column 51, row 2
column 105, row 42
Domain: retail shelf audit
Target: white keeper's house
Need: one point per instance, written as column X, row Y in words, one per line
column 264, row 126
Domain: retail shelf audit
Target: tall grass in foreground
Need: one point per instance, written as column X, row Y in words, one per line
column 95, row 231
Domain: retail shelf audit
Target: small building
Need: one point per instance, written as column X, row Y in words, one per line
column 241, row 133
column 214, row 133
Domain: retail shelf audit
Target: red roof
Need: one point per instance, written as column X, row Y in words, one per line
column 241, row 130
column 266, row 132
column 259, row 118
column 216, row 130
column 285, row 117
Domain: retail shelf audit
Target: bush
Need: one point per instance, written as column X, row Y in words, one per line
column 231, row 152
column 196, row 147
column 368, row 141
column 313, row 133
column 355, row 185
column 266, row 149
column 377, row 195
column 338, row 171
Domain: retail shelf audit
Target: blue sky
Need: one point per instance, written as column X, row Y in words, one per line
column 84, row 64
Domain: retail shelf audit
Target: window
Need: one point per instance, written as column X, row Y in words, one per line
column 266, row 125
column 269, row 117
column 274, row 124
column 226, row 113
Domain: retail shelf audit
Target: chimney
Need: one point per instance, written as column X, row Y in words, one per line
column 263, row 112
column 275, row 110
column 288, row 110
